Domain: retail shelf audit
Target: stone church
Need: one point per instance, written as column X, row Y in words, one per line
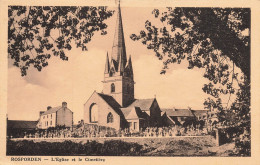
column 116, row 106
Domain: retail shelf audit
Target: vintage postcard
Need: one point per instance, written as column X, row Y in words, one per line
column 133, row 82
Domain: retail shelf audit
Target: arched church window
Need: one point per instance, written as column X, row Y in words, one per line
column 93, row 111
column 113, row 88
column 110, row 118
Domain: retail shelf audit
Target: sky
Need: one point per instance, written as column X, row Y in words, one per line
column 75, row 80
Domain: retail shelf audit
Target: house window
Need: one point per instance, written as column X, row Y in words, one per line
column 93, row 113
column 113, row 88
column 47, row 123
column 51, row 116
column 110, row 118
column 50, row 122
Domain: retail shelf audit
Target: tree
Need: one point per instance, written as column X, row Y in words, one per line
column 215, row 39
column 35, row 33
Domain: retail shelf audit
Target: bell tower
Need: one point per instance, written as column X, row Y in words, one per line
column 118, row 76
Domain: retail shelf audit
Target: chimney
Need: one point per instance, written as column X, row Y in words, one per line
column 48, row 108
column 64, row 104
column 41, row 112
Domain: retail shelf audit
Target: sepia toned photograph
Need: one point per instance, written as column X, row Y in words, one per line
column 128, row 81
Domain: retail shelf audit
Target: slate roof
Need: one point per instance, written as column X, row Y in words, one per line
column 133, row 113
column 21, row 124
column 175, row 120
column 144, row 104
column 126, row 111
column 52, row 110
column 178, row 112
column 199, row 112
column 111, row 102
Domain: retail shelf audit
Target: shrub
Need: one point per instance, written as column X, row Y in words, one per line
column 93, row 148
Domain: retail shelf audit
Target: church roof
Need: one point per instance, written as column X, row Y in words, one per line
column 144, row 104
column 21, row 124
column 111, row 102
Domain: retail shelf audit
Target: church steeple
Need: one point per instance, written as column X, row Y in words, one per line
column 118, row 78
column 118, row 49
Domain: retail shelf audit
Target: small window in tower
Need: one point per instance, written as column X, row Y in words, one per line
column 113, row 88
column 110, row 118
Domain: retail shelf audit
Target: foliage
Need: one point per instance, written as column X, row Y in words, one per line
column 91, row 148
column 204, row 29
column 35, row 33
column 243, row 144
column 214, row 39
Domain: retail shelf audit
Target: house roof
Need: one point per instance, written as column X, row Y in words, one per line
column 21, row 124
column 199, row 112
column 144, row 104
column 52, row 110
column 174, row 118
column 111, row 102
column 178, row 112
column 126, row 111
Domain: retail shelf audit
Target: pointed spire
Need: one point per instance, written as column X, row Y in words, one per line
column 119, row 40
column 107, row 67
column 129, row 66
column 112, row 65
column 119, row 64
column 121, row 67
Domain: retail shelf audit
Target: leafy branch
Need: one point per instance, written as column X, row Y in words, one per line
column 36, row 33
